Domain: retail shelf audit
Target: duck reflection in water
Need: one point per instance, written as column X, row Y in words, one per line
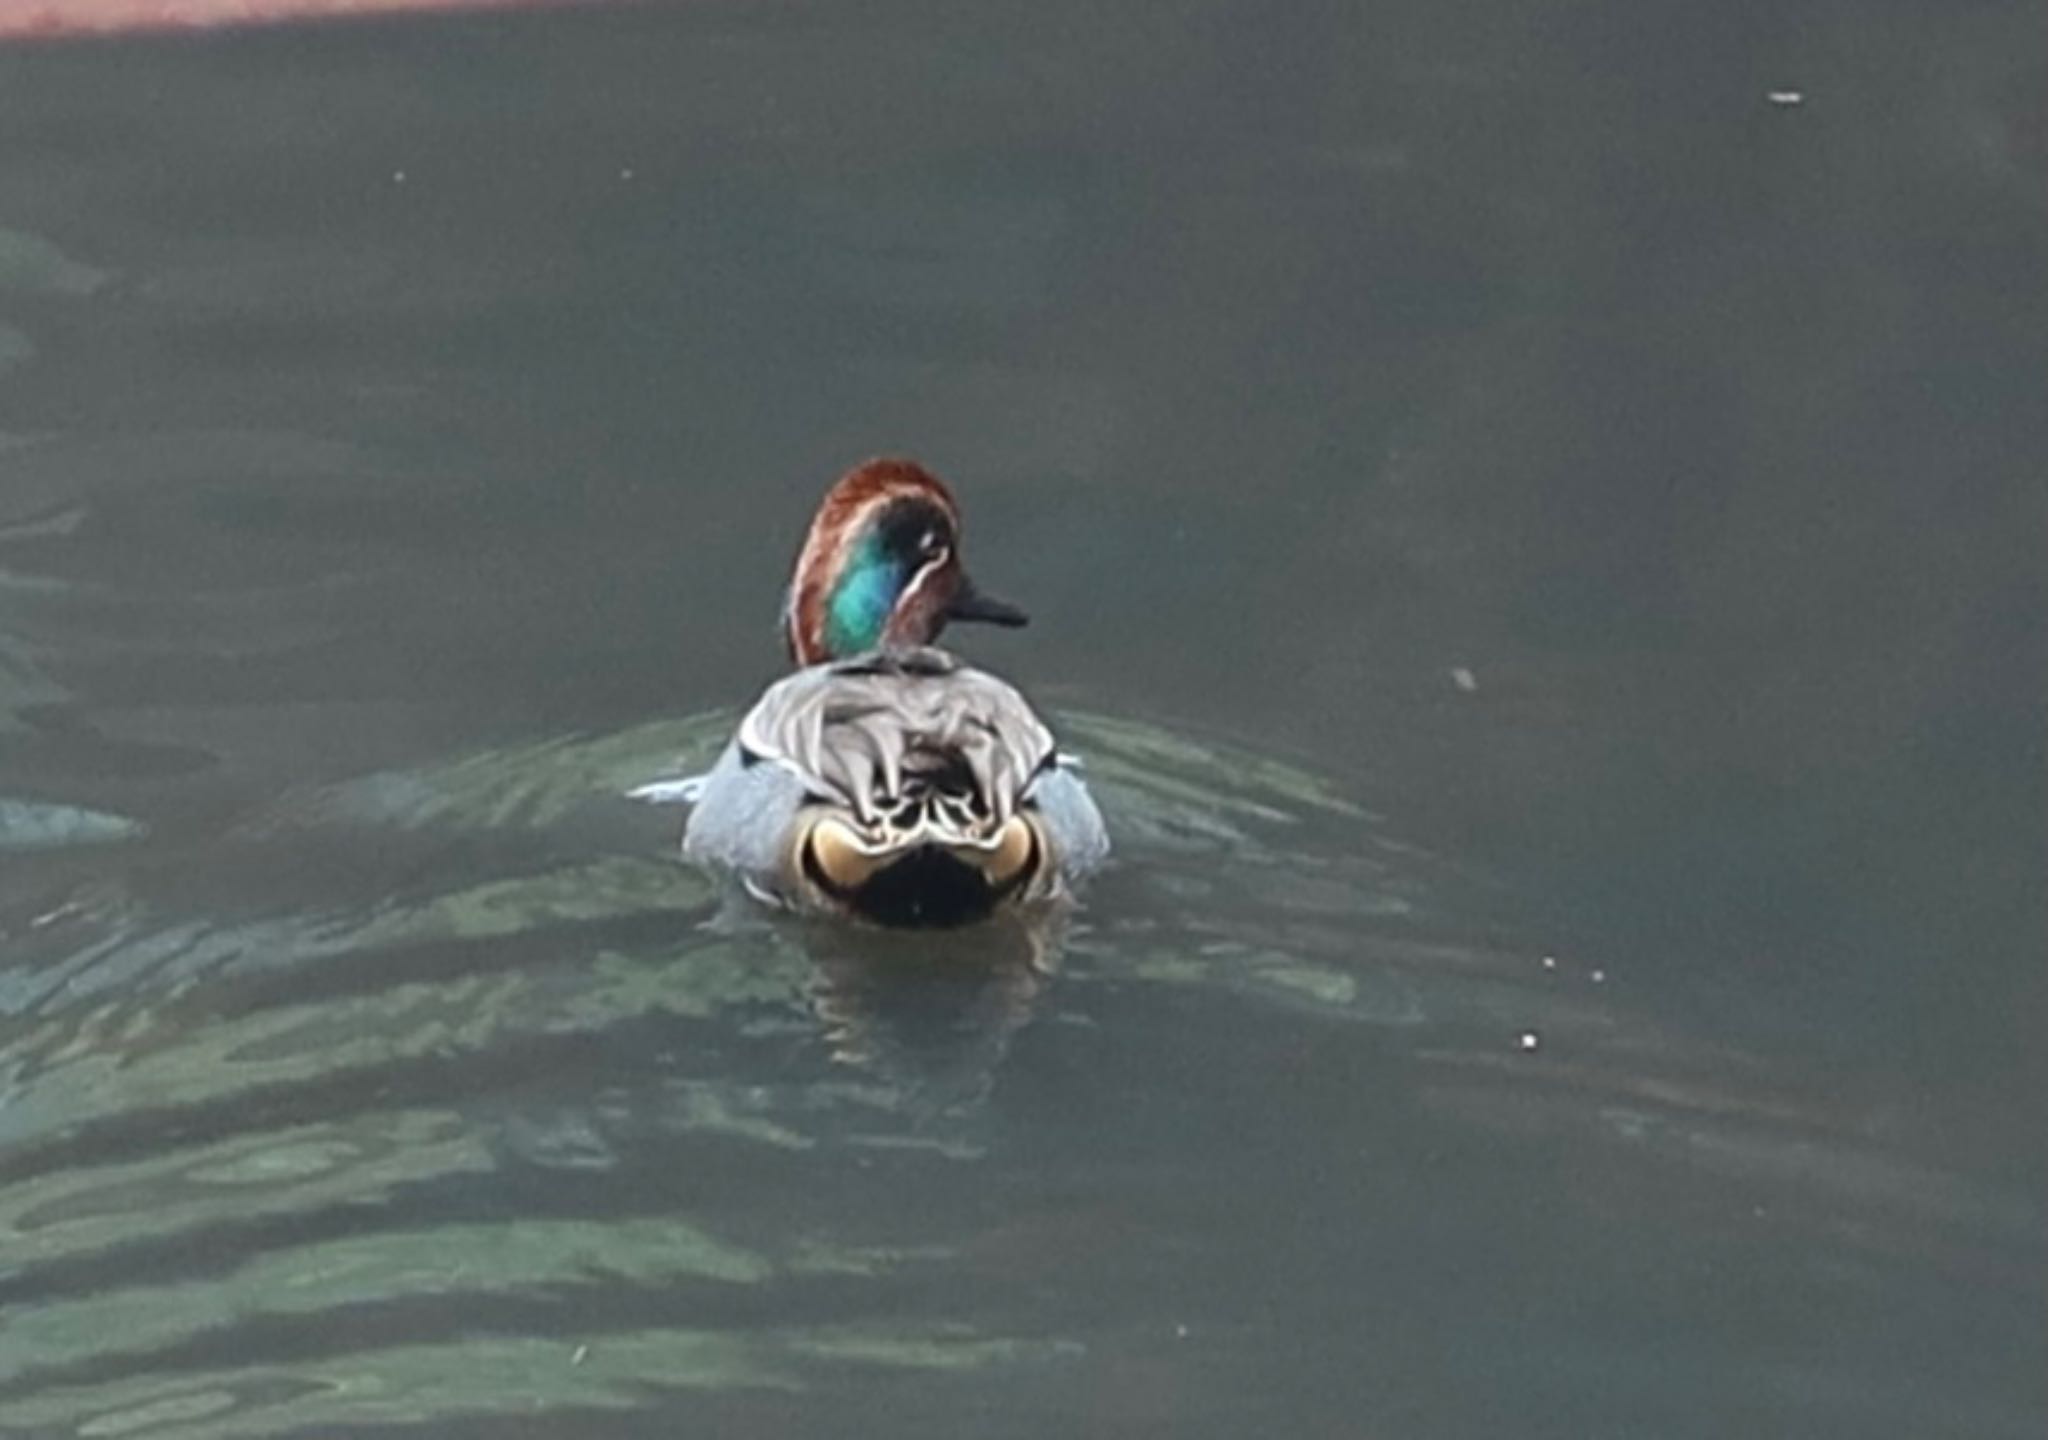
column 930, row 1014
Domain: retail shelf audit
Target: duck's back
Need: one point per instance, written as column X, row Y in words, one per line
column 902, row 785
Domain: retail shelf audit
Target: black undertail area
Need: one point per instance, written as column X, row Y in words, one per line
column 927, row 888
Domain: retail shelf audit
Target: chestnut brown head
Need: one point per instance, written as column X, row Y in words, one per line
column 881, row 567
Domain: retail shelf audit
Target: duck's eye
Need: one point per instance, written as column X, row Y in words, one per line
column 931, row 546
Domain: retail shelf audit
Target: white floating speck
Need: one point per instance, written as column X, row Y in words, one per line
column 1598, row 977
column 1549, row 962
column 1788, row 97
column 625, row 174
column 1527, row 1040
column 582, row 1354
column 1464, row 679
column 1180, row 1332
column 397, row 177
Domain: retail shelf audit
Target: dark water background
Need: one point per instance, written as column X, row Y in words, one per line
column 1623, row 484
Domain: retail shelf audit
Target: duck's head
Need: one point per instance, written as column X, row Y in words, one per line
column 881, row 567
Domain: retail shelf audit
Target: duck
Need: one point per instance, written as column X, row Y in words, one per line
column 884, row 780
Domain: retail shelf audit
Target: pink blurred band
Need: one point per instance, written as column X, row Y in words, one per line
column 29, row 18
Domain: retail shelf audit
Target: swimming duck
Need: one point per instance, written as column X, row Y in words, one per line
column 885, row 779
